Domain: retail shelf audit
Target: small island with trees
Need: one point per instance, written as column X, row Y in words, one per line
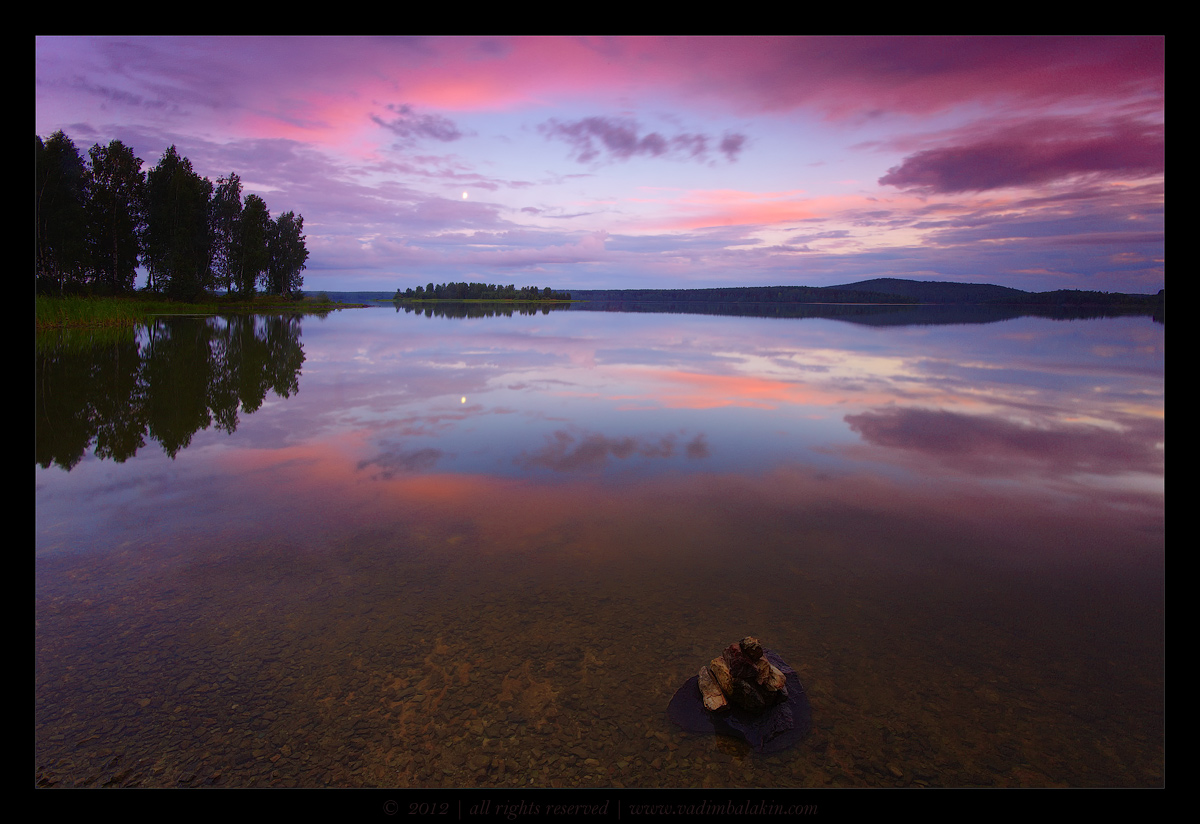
column 480, row 292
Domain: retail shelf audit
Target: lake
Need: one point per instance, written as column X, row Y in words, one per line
column 390, row 548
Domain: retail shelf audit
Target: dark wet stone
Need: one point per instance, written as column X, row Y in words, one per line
column 745, row 695
column 776, row 729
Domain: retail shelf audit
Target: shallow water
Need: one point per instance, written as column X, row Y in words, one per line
column 389, row 550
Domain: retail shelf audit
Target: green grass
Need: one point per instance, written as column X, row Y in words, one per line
column 81, row 338
column 96, row 312
column 89, row 311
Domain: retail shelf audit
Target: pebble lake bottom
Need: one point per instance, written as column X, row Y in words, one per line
column 459, row 650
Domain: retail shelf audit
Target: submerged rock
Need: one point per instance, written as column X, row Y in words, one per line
column 749, row 697
column 765, row 705
column 710, row 691
column 751, row 685
column 720, row 671
column 775, row 681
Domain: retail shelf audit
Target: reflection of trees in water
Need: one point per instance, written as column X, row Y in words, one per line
column 183, row 375
column 478, row 310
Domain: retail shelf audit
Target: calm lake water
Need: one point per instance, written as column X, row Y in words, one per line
column 403, row 549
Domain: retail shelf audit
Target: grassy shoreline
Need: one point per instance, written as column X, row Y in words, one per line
column 81, row 311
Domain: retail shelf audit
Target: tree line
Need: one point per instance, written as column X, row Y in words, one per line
column 946, row 292
column 98, row 219
column 479, row 291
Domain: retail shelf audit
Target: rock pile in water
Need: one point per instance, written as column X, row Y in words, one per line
column 742, row 676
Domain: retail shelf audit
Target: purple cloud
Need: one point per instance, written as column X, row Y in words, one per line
column 619, row 139
column 731, row 145
column 997, row 446
column 563, row 454
column 392, row 463
column 1031, row 156
column 409, row 125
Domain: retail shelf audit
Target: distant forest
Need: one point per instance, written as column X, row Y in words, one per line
column 479, row 291
column 97, row 219
column 883, row 291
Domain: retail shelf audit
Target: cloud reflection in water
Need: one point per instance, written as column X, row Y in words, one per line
column 563, row 453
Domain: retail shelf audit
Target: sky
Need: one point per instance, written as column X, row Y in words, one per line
column 657, row 162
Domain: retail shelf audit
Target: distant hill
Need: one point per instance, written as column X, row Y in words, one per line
column 940, row 292
column 880, row 290
column 743, row 294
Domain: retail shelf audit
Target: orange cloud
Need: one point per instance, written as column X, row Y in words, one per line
column 703, row 209
column 677, row 389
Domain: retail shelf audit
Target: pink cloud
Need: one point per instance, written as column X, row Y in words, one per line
column 702, row 209
column 677, row 389
column 331, row 83
column 857, row 76
column 842, row 76
column 1036, row 153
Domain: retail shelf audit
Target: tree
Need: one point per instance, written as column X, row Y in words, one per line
column 115, row 214
column 178, row 239
column 61, row 190
column 93, row 222
column 226, row 214
column 253, row 258
column 287, row 255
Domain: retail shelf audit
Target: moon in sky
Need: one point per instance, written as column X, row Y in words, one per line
column 464, row 195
